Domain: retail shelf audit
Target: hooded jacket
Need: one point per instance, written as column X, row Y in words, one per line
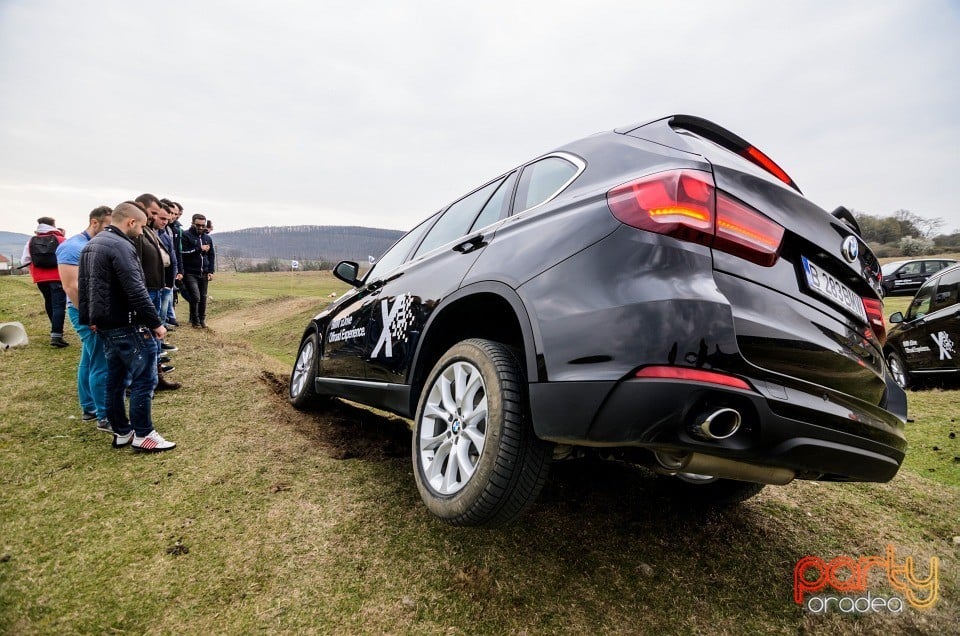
column 111, row 285
column 42, row 274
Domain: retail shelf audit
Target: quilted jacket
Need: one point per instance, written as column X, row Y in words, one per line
column 112, row 289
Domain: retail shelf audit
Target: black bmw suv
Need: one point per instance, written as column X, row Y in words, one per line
column 663, row 292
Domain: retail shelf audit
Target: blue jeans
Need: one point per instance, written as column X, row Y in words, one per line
column 166, row 304
column 92, row 372
column 131, row 351
column 156, row 297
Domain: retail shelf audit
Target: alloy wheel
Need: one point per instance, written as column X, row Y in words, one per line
column 301, row 370
column 453, row 428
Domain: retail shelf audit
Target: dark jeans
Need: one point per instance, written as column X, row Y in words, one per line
column 131, row 352
column 55, row 302
column 196, row 286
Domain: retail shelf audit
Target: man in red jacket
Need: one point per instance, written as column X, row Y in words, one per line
column 40, row 253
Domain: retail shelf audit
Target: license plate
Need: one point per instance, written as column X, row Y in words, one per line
column 829, row 287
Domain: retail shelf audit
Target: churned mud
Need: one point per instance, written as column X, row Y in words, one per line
column 341, row 430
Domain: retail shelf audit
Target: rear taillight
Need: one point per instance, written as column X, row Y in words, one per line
column 684, row 204
column 746, row 233
column 677, row 203
column 694, row 375
column 874, row 309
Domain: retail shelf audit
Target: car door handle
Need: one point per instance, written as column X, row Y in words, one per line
column 472, row 243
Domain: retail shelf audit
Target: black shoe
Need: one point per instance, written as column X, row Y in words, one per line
column 195, row 325
column 203, row 325
column 173, row 321
column 88, row 416
column 164, row 358
column 165, row 385
column 168, row 347
column 59, row 343
column 166, row 368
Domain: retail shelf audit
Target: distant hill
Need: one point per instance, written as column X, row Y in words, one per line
column 11, row 244
column 306, row 242
column 298, row 242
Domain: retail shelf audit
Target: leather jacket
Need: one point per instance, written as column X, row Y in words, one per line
column 111, row 284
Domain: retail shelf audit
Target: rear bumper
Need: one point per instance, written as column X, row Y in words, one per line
column 818, row 436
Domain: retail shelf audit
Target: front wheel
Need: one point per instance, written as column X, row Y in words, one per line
column 898, row 369
column 302, row 393
column 476, row 458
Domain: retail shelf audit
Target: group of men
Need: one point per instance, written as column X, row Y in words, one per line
column 118, row 280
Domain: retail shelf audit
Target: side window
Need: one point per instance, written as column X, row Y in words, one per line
column 498, row 206
column 910, row 269
column 542, row 180
column 394, row 256
column 947, row 291
column 920, row 306
column 458, row 218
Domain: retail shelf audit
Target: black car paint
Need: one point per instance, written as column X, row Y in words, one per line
column 929, row 344
column 588, row 300
column 902, row 282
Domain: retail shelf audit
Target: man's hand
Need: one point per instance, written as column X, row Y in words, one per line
column 179, row 277
column 160, row 332
column 209, row 276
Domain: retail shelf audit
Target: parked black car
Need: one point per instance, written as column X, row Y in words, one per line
column 924, row 342
column 905, row 277
column 662, row 291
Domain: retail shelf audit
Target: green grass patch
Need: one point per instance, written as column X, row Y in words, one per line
column 265, row 519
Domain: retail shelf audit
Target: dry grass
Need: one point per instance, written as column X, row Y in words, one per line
column 265, row 519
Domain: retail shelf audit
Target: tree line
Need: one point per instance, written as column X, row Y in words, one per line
column 905, row 233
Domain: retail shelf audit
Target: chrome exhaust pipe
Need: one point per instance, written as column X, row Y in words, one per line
column 717, row 425
column 700, row 464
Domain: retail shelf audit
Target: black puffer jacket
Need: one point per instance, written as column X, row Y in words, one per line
column 112, row 291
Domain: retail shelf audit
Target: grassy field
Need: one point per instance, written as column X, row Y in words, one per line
column 269, row 520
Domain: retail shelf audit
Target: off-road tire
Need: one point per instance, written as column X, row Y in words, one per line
column 301, row 390
column 513, row 465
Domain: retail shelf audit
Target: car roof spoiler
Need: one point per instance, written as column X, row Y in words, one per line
column 723, row 138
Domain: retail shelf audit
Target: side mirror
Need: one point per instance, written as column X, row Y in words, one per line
column 897, row 317
column 347, row 272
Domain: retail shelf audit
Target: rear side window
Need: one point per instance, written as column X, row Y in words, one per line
column 947, row 291
column 458, row 218
column 543, row 180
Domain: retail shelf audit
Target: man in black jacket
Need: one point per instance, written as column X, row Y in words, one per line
column 114, row 302
column 198, row 266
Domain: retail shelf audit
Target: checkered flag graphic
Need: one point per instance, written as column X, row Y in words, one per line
column 403, row 318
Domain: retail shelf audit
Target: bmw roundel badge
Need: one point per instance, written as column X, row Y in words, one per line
column 850, row 249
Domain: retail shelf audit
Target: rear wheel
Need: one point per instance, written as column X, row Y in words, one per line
column 475, row 456
column 898, row 370
column 302, row 393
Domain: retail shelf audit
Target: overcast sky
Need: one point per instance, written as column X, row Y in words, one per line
column 378, row 113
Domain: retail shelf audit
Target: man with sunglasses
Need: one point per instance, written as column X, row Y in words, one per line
column 198, row 266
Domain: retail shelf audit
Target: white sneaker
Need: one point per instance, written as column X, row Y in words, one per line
column 152, row 443
column 119, row 441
